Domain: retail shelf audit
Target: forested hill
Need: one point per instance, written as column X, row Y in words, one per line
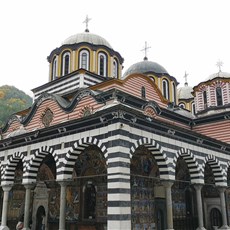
column 12, row 100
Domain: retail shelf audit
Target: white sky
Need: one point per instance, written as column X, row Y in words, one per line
column 184, row 35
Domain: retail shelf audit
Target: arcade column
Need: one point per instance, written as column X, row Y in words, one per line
column 198, row 188
column 168, row 195
column 6, row 189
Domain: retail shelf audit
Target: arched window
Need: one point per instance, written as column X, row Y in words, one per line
column 174, row 92
column 193, row 108
column 143, row 92
column 165, row 87
column 219, row 100
column 102, row 61
column 65, row 63
column 54, row 69
column 115, row 69
column 84, row 59
column 205, row 99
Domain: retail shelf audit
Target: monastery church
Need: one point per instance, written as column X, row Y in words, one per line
column 102, row 149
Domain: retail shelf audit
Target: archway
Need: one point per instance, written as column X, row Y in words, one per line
column 183, row 197
column 46, row 176
column 210, row 195
column 16, row 197
column 147, row 194
column 86, row 190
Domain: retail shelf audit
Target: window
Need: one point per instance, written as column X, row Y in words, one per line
column 65, row 63
column 219, row 96
column 174, row 92
column 84, row 59
column 102, row 64
column 115, row 69
column 143, row 93
column 205, row 99
column 193, row 108
column 182, row 105
column 54, row 69
column 165, row 88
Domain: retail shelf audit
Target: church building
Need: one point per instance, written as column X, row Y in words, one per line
column 102, row 149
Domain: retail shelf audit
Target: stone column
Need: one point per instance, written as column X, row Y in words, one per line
column 27, row 206
column 6, row 189
column 168, row 195
column 62, row 205
column 199, row 207
column 223, row 208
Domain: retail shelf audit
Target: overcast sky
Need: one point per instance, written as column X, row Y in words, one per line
column 183, row 35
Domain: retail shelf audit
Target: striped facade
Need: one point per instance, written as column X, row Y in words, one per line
column 96, row 151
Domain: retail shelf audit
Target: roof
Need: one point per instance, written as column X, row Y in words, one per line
column 185, row 92
column 144, row 67
column 86, row 37
column 219, row 74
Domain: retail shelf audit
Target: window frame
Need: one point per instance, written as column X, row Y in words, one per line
column 64, row 68
column 81, row 60
column 102, row 67
column 165, row 88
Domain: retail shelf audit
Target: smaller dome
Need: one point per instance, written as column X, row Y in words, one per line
column 145, row 67
column 219, row 74
column 185, row 92
column 86, row 37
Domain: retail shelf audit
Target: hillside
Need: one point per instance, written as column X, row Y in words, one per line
column 12, row 100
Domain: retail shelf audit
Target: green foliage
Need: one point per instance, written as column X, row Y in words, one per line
column 12, row 100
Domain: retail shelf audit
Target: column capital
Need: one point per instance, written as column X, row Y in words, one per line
column 167, row 183
column 30, row 186
column 7, row 187
column 198, row 186
column 221, row 188
column 63, row 183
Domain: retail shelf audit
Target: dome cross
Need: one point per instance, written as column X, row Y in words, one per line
column 146, row 49
column 186, row 78
column 219, row 64
column 86, row 21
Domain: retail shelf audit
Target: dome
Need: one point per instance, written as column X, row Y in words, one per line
column 185, row 92
column 145, row 67
column 86, row 37
column 219, row 74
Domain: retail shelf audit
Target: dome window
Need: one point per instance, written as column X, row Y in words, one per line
column 174, row 92
column 219, row 100
column 182, row 105
column 205, row 99
column 165, row 86
column 143, row 92
column 102, row 64
column 84, row 59
column 115, row 69
column 54, row 69
column 65, row 63
column 193, row 108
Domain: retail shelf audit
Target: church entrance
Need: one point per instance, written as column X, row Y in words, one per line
column 40, row 217
column 215, row 217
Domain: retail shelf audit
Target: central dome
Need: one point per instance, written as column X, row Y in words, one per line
column 86, row 37
column 145, row 67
